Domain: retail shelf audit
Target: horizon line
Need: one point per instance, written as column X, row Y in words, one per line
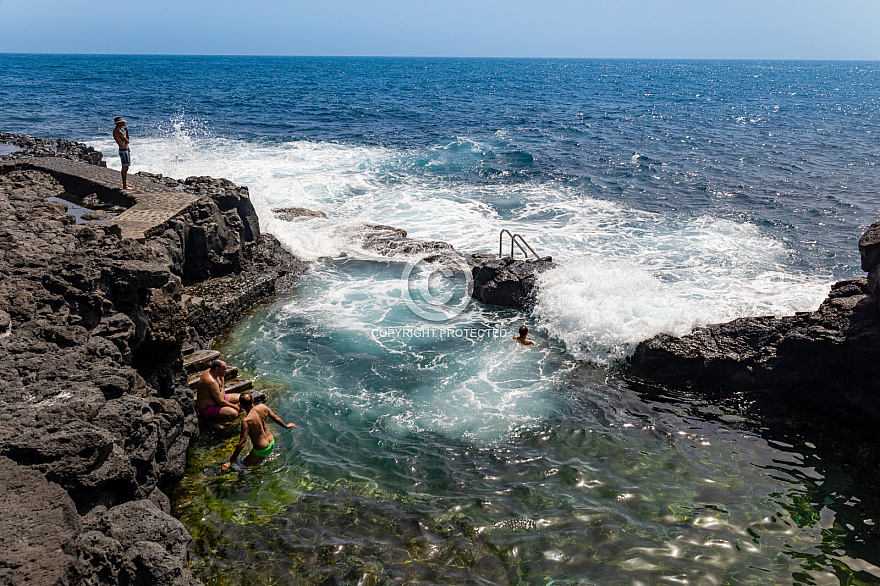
column 814, row 60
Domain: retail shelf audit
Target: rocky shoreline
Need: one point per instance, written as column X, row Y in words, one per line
column 825, row 359
column 26, row 147
column 97, row 414
column 95, row 310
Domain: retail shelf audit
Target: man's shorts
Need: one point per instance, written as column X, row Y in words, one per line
column 125, row 157
column 212, row 412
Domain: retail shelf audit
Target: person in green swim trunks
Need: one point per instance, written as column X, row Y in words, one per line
column 254, row 426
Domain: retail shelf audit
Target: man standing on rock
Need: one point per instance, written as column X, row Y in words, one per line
column 120, row 134
column 212, row 400
column 254, row 426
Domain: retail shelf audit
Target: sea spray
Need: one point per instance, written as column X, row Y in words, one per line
column 689, row 192
column 349, row 341
column 662, row 275
column 600, row 311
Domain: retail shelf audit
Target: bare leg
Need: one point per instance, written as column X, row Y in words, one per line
column 226, row 416
column 252, row 459
column 125, row 178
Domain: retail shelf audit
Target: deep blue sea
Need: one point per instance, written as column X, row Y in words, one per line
column 671, row 194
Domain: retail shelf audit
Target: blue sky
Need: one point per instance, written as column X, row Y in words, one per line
column 688, row 29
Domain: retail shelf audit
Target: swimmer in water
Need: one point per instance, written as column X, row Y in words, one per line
column 523, row 337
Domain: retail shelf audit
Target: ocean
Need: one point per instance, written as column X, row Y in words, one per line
column 671, row 194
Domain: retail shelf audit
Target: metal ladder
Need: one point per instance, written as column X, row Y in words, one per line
column 519, row 241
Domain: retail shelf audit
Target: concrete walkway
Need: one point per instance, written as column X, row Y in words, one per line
column 149, row 205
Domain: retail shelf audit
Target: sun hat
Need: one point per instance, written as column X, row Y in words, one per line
column 119, row 119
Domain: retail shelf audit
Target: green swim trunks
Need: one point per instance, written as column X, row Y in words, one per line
column 265, row 451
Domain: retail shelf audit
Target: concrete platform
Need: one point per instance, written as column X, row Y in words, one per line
column 148, row 205
column 193, row 379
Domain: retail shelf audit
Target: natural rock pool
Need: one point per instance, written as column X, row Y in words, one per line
column 464, row 458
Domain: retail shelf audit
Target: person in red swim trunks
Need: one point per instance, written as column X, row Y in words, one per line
column 212, row 400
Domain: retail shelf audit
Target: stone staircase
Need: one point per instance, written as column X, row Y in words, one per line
column 197, row 361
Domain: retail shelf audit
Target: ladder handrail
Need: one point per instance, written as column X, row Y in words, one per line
column 519, row 241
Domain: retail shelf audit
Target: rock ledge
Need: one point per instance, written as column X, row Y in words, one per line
column 826, row 358
column 96, row 413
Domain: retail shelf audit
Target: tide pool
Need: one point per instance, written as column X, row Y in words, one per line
column 469, row 459
column 671, row 194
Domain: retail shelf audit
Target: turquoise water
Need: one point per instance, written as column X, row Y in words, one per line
column 670, row 193
column 504, row 464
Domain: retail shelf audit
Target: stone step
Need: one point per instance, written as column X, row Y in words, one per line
column 193, row 379
column 199, row 360
column 187, row 349
column 239, row 386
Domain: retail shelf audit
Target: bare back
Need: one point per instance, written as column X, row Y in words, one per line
column 208, row 391
column 257, row 429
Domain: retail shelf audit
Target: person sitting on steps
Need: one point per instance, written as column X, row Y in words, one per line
column 212, row 400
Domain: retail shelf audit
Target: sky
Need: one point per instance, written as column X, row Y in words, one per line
column 674, row 29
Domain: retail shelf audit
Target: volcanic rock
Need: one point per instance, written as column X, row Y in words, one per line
column 826, row 358
column 39, row 147
column 295, row 214
column 508, row 282
column 37, row 530
column 95, row 415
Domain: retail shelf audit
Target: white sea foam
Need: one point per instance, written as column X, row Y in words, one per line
column 638, row 283
column 480, row 388
column 623, row 276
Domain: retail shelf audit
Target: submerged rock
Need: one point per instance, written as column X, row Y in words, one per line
column 390, row 241
column 294, row 214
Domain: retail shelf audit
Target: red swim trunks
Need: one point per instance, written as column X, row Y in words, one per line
column 213, row 412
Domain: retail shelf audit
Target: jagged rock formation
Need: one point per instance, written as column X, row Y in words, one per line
column 294, row 214
column 508, row 282
column 869, row 250
column 48, row 520
column 30, row 146
column 216, row 304
column 97, row 415
column 390, row 241
column 827, row 357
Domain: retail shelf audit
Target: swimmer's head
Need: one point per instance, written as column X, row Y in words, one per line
column 246, row 401
column 523, row 331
